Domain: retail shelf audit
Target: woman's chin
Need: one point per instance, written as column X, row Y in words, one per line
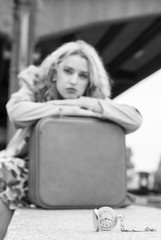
column 71, row 97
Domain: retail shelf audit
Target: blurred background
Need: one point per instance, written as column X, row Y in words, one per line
column 126, row 34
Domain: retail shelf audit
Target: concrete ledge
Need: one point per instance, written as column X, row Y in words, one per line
column 36, row 224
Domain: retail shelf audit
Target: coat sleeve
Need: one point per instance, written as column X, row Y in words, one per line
column 124, row 115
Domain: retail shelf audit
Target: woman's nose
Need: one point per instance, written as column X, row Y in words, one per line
column 74, row 79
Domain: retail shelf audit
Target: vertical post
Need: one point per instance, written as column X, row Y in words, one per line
column 22, row 44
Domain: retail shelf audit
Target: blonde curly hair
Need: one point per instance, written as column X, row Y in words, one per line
column 99, row 81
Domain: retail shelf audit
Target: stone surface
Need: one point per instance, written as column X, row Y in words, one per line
column 36, row 224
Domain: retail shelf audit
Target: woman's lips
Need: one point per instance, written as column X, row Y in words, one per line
column 71, row 90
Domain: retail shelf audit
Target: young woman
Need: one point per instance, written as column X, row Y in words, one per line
column 70, row 81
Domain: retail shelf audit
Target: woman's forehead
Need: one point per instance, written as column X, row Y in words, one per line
column 76, row 61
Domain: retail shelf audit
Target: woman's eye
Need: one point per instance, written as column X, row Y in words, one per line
column 84, row 76
column 68, row 70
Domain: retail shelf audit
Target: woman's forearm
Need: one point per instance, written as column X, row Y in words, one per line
column 125, row 116
column 26, row 113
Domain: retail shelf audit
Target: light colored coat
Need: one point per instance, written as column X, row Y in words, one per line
column 24, row 111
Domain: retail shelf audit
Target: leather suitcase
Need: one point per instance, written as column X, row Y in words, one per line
column 77, row 162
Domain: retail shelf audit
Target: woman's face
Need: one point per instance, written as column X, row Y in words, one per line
column 72, row 77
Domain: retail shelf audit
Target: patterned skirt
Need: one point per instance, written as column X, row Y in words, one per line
column 14, row 182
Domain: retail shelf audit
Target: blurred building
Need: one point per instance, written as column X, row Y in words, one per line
column 127, row 35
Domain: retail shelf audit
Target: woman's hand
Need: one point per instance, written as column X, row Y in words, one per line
column 82, row 102
column 90, row 104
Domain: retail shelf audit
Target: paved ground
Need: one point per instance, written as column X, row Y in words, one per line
column 37, row 224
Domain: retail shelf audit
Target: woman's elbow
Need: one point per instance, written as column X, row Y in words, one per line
column 135, row 124
column 16, row 118
column 22, row 124
column 138, row 119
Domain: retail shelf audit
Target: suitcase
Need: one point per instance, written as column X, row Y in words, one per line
column 77, row 162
